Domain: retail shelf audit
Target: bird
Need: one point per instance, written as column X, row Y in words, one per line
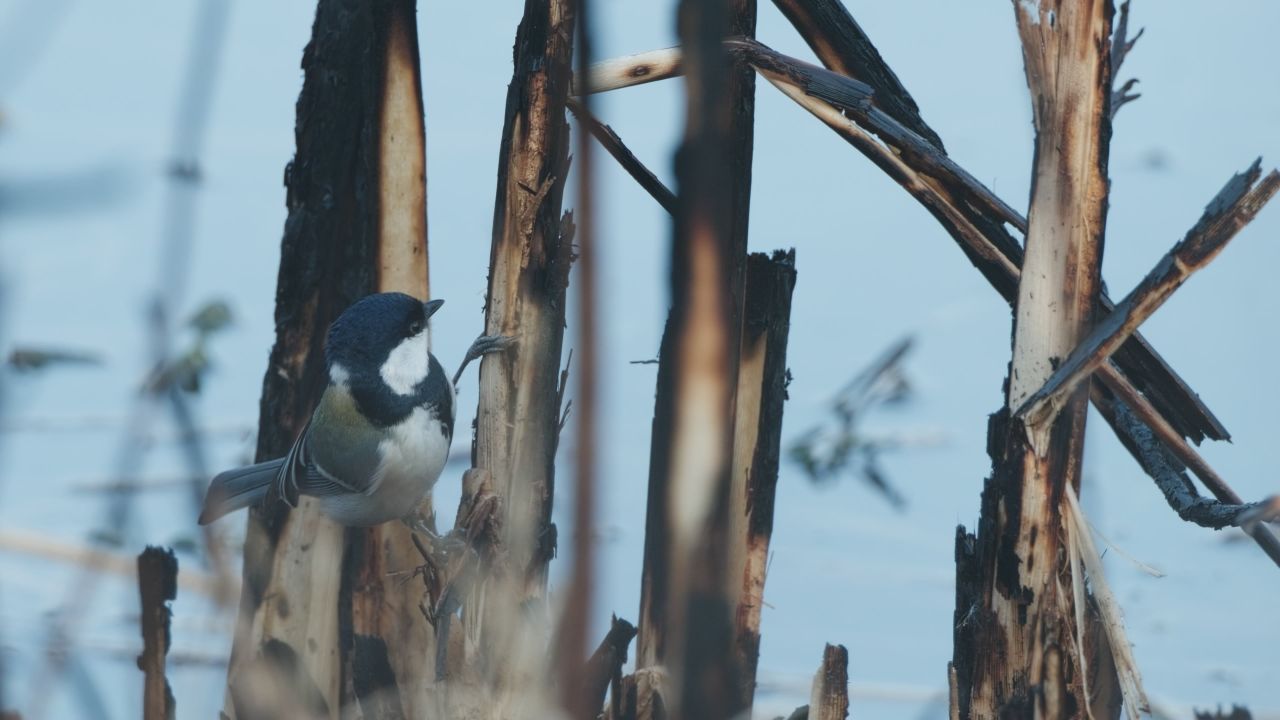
column 379, row 436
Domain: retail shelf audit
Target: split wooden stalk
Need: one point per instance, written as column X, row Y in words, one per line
column 685, row 613
column 517, row 428
column 1024, row 654
column 1228, row 213
column 322, row 625
column 829, row 697
column 757, row 441
column 1169, row 408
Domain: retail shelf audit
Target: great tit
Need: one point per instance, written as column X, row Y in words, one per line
column 379, row 437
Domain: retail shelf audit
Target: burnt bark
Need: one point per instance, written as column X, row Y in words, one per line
column 315, row 597
column 157, row 586
column 685, row 615
column 761, row 393
column 1023, row 641
column 842, row 46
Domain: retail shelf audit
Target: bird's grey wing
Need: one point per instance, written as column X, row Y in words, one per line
column 339, row 452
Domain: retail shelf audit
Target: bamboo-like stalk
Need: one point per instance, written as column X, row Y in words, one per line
column 685, row 622
column 518, row 421
column 318, row 604
column 1020, row 649
column 762, row 388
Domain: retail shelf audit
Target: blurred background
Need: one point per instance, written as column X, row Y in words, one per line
column 134, row 127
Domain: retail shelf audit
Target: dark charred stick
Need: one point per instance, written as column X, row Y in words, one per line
column 1169, row 473
column 1233, row 208
column 838, row 40
column 158, row 586
column 613, row 144
column 605, row 664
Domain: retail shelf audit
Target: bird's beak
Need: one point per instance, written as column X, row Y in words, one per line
column 431, row 306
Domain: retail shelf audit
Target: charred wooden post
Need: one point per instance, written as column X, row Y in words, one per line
column 829, row 698
column 517, row 428
column 319, row 616
column 158, row 586
column 757, row 442
column 1025, row 646
column 685, row 613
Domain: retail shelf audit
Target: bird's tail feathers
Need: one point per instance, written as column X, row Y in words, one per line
column 239, row 488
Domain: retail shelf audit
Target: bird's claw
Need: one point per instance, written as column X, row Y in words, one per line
column 483, row 345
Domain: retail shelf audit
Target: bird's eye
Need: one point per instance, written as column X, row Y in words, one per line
column 415, row 327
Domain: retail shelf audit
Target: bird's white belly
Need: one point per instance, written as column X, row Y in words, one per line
column 412, row 459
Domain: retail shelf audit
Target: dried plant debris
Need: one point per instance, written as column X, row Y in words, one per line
column 29, row 359
column 840, row 446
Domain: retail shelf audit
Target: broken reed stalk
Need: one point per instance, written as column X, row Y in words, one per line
column 577, row 701
column 157, row 587
column 1018, row 658
column 322, row 624
column 518, row 419
column 686, row 616
column 1233, row 208
column 757, row 443
column 967, row 210
column 1175, row 411
column 829, row 698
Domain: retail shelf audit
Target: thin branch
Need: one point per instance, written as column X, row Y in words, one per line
column 631, row 70
column 610, row 141
column 1233, row 208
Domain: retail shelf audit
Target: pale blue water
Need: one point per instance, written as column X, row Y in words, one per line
column 100, row 98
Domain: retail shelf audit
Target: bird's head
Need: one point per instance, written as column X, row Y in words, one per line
column 382, row 337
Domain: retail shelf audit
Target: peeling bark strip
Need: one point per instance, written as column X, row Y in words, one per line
column 356, row 225
column 157, row 586
column 762, row 390
column 685, row 617
column 1233, row 208
column 1026, row 656
column 517, row 426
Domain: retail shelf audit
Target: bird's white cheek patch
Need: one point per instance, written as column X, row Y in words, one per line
column 407, row 365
